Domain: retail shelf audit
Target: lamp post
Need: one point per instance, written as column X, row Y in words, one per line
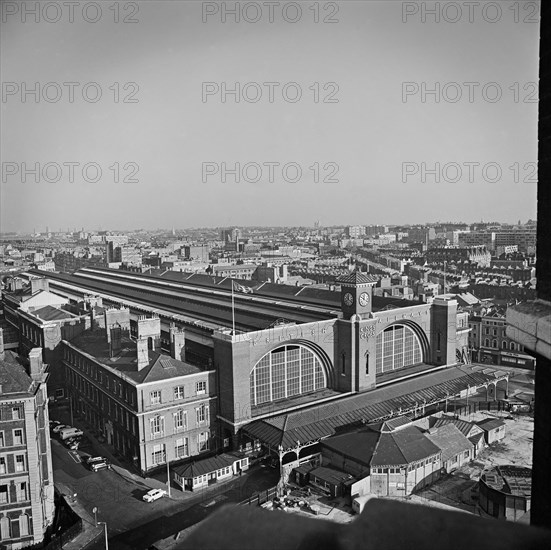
column 105, row 531
column 95, row 512
column 168, row 475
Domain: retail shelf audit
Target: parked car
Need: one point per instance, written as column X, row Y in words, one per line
column 73, row 443
column 68, row 431
column 59, row 427
column 96, row 463
column 154, row 494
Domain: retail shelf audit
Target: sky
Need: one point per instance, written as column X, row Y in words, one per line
column 365, row 125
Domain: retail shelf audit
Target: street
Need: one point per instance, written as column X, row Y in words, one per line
column 133, row 523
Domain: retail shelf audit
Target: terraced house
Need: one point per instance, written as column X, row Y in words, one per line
column 150, row 406
column 26, row 478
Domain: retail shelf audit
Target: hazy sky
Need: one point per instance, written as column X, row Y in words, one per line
column 368, row 132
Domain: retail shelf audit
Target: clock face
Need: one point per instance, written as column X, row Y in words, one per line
column 364, row 299
column 348, row 299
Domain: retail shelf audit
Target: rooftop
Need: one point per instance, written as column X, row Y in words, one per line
column 326, row 419
column 450, row 440
column 13, row 376
column 403, row 447
column 160, row 367
column 514, row 480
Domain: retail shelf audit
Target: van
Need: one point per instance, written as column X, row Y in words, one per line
column 358, row 503
column 67, row 432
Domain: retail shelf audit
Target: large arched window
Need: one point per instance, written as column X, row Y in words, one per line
column 285, row 372
column 397, row 347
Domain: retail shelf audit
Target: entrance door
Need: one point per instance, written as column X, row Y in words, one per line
column 212, row 478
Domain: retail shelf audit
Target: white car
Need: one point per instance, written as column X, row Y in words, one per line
column 56, row 429
column 154, row 494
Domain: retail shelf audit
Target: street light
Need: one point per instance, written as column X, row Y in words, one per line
column 105, row 530
column 95, row 512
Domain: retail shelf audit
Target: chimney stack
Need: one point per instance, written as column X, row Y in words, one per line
column 142, row 350
column 39, row 283
column 36, row 365
column 120, row 317
column 177, row 343
column 115, row 340
column 150, row 329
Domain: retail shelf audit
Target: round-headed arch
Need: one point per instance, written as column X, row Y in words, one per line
column 401, row 344
column 294, row 368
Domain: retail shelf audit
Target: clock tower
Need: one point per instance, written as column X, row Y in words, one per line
column 356, row 293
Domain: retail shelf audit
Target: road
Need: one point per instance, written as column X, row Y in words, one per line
column 133, row 523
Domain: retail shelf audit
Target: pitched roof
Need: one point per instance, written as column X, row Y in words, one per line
column 490, row 423
column 13, row 376
column 358, row 446
column 462, row 425
column 357, row 278
column 450, row 440
column 161, row 367
column 402, row 447
column 205, row 466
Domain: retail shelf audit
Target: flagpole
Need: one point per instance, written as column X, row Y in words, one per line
column 232, row 310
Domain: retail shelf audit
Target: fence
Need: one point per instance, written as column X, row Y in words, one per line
column 260, row 498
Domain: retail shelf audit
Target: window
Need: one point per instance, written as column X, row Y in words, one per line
column 512, row 346
column 2, row 439
column 202, row 413
column 285, row 372
column 180, row 420
column 20, row 463
column 16, row 413
column 155, row 397
column 4, row 494
column 157, row 426
column 18, row 437
column 494, row 343
column 203, row 441
column 487, row 342
column 59, row 393
column 21, row 491
column 2, row 465
column 181, row 448
column 397, row 346
column 343, row 363
column 23, row 525
column 179, row 392
column 158, row 454
column 201, row 388
column 466, row 454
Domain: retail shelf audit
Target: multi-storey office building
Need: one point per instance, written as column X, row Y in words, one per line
column 26, row 478
column 151, row 407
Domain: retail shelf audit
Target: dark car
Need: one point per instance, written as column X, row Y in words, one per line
column 96, row 463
